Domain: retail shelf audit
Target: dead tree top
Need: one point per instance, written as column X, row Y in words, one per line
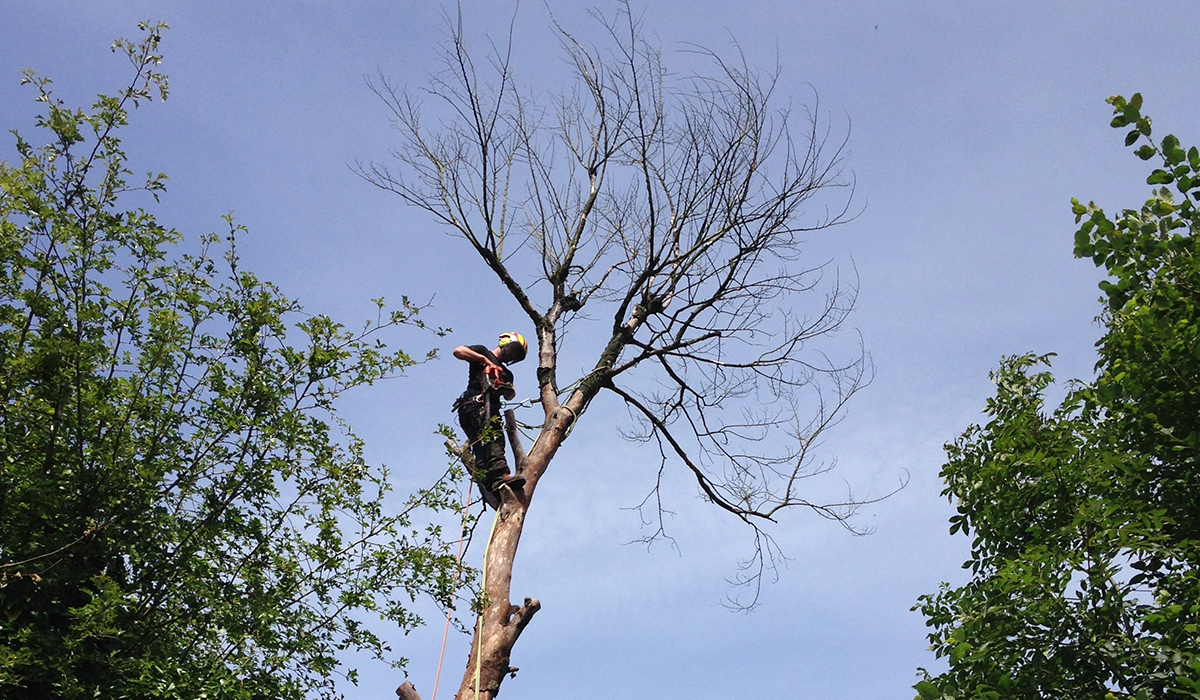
column 673, row 208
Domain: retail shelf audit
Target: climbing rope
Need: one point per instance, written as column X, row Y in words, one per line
column 479, row 627
column 526, row 403
column 479, row 624
column 565, row 391
column 462, row 535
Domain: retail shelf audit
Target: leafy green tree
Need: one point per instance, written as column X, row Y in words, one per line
column 1086, row 519
column 182, row 511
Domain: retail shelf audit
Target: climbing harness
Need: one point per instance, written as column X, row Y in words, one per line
column 482, row 405
column 487, row 384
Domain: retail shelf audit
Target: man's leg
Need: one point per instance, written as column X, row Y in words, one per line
column 487, row 447
column 470, row 418
column 493, row 463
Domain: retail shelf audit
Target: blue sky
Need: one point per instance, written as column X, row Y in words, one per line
column 971, row 126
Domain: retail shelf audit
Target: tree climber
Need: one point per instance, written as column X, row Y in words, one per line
column 479, row 411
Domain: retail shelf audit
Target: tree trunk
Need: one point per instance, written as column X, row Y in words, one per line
column 501, row 623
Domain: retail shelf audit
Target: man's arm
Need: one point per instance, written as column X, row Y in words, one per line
column 466, row 354
column 490, row 368
column 494, row 370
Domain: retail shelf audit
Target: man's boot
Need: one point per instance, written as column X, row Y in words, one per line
column 491, row 493
column 513, row 481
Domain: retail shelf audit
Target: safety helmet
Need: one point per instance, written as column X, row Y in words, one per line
column 517, row 340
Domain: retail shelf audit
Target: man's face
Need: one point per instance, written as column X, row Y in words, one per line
column 511, row 353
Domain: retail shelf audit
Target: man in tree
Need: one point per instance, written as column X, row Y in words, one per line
column 488, row 380
column 673, row 207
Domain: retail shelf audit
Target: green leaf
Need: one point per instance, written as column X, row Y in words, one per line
column 1132, row 137
column 1160, row 177
column 1082, row 241
column 927, row 691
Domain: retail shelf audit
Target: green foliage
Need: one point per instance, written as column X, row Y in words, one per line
column 182, row 512
column 1085, row 560
column 1150, row 355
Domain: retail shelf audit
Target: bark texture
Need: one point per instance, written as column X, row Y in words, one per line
column 500, row 623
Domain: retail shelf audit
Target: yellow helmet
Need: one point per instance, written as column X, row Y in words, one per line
column 511, row 338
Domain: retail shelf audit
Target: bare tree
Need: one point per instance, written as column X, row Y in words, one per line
column 675, row 206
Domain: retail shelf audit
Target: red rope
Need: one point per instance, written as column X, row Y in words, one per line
column 450, row 611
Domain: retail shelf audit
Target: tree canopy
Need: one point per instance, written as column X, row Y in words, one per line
column 654, row 221
column 1085, row 564
column 182, row 511
column 664, row 214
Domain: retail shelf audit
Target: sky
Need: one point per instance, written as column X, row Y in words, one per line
column 971, row 126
